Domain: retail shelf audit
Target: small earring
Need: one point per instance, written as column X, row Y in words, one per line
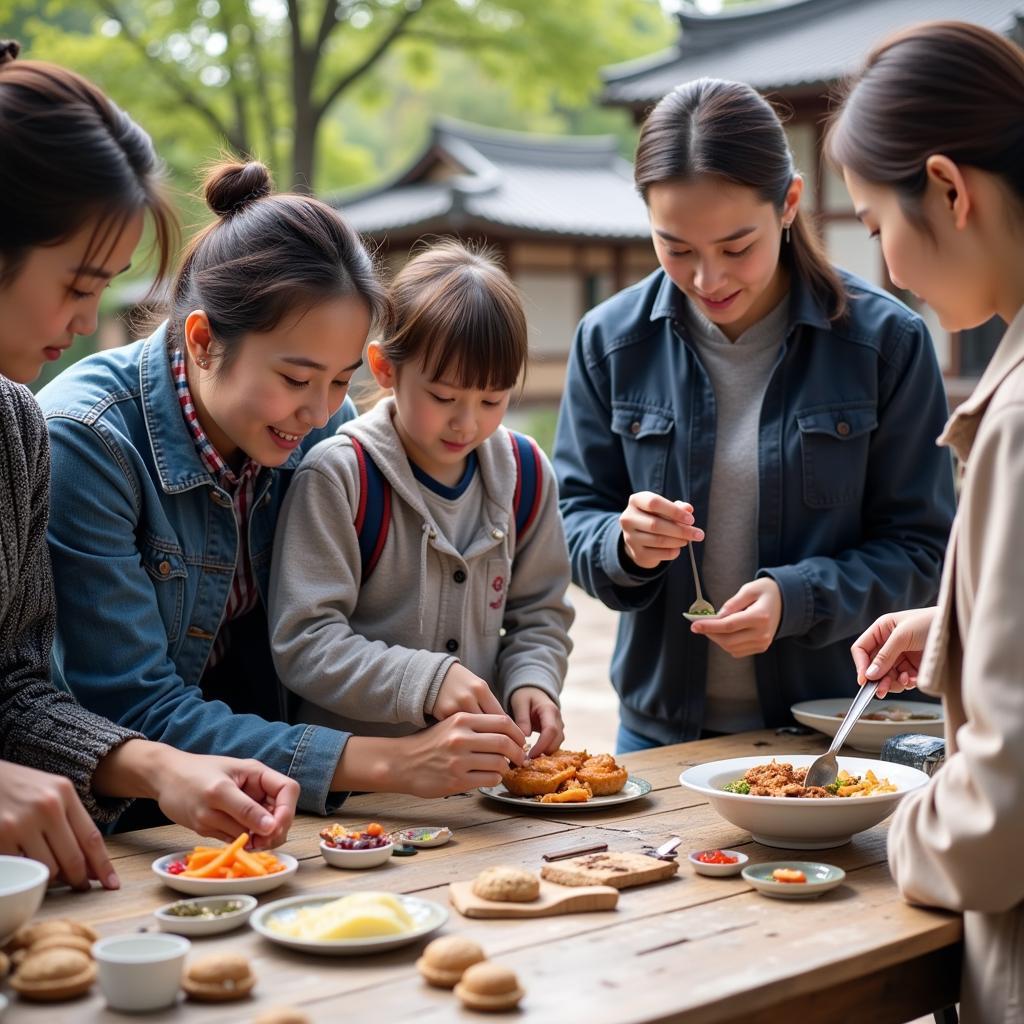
column 203, row 362
column 788, row 236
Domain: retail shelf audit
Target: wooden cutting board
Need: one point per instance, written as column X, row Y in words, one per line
column 553, row 899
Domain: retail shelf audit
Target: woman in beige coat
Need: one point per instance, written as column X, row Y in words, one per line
column 930, row 139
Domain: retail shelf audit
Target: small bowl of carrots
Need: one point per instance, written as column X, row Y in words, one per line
column 213, row 870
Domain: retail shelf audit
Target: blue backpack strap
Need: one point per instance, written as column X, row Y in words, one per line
column 373, row 514
column 529, row 480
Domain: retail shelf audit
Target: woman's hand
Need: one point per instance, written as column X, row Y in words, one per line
column 746, row 624
column 890, row 650
column 42, row 818
column 218, row 797
column 462, row 690
column 655, row 530
column 535, row 711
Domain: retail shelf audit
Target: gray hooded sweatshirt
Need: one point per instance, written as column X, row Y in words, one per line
column 370, row 658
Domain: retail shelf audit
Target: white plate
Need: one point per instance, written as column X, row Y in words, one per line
column 634, row 789
column 820, row 878
column 867, row 735
column 801, row 824
column 205, row 925
column 223, row 886
column 414, row 836
column 427, row 918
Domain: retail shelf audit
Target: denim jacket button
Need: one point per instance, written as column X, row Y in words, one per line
column 634, row 427
column 842, row 428
column 164, row 568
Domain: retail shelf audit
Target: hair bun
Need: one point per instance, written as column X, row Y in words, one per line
column 230, row 187
column 9, row 49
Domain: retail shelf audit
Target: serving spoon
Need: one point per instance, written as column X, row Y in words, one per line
column 824, row 769
column 700, row 609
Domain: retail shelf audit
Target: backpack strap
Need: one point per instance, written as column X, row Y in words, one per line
column 529, row 479
column 373, row 514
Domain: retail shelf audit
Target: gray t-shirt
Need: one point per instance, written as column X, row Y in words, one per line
column 739, row 371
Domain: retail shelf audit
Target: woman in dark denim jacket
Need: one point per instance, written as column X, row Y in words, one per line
column 172, row 458
column 787, row 407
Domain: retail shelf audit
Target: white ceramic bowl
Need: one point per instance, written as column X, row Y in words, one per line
column 140, row 971
column 797, row 824
column 356, row 858
column 820, row 879
column 718, row 870
column 223, row 886
column 168, row 922
column 868, row 735
column 22, row 888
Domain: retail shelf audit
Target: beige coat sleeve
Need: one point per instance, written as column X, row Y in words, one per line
column 950, row 841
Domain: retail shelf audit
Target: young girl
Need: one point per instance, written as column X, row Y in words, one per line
column 171, row 460
column 465, row 607
column 748, row 386
column 931, row 142
column 68, row 228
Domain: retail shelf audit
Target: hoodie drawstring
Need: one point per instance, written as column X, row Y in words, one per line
column 427, row 535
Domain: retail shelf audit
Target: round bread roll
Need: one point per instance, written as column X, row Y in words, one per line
column 445, row 959
column 490, row 987
column 282, row 1015
column 219, row 978
column 53, row 975
column 506, row 884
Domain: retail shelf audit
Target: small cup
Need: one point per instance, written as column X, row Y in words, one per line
column 140, row 972
column 718, row 870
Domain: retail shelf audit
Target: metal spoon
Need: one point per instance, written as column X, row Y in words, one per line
column 824, row 769
column 700, row 609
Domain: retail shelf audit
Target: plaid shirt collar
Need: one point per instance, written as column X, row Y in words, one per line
column 209, row 455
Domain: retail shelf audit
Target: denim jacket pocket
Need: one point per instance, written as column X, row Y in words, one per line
column 645, row 434
column 166, row 568
column 834, row 442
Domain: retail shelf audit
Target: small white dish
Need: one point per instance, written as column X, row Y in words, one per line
column 826, row 716
column 434, row 835
column 168, row 922
column 690, row 617
column 427, row 917
column 22, row 888
column 223, row 886
column 820, row 879
column 140, row 972
column 357, row 859
column 718, row 870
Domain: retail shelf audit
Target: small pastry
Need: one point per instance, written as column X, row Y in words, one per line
column 86, row 931
column 28, row 934
column 59, row 941
column 221, row 977
column 54, row 975
column 506, row 885
column 490, row 987
column 282, row 1015
column 445, row 959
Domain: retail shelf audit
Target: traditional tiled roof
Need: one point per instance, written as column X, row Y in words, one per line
column 794, row 45
column 475, row 178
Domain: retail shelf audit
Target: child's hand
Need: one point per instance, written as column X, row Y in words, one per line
column 461, row 690
column 535, row 711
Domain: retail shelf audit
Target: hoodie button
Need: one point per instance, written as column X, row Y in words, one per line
column 452, row 645
column 459, row 576
column 497, row 534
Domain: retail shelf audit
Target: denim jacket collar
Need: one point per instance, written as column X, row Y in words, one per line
column 174, row 452
column 804, row 308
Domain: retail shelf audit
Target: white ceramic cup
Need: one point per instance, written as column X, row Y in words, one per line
column 141, row 971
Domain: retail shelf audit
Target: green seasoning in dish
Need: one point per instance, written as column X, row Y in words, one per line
column 187, row 909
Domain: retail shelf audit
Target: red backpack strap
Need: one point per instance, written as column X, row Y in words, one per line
column 373, row 513
column 529, row 481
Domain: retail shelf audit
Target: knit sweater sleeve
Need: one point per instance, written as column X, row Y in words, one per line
column 40, row 726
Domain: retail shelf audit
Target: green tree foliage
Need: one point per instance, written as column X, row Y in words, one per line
column 327, row 91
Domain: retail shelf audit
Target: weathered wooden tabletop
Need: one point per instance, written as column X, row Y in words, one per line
column 691, row 949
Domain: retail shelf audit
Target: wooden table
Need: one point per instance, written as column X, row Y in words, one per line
column 690, row 949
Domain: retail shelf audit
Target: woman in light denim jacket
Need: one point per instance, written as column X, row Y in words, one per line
column 788, row 408
column 161, row 449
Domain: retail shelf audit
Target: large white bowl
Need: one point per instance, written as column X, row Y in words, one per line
column 798, row 824
column 22, row 888
column 867, row 735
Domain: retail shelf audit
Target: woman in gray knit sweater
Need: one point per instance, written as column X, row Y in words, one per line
column 68, row 227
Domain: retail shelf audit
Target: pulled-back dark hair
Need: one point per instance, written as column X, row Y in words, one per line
column 70, row 156
column 943, row 87
column 456, row 308
column 727, row 130
column 267, row 255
